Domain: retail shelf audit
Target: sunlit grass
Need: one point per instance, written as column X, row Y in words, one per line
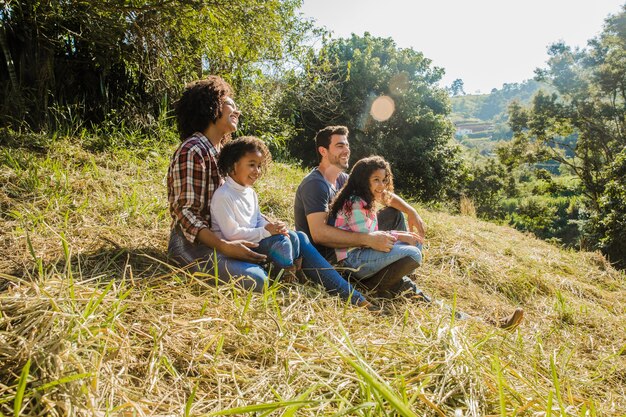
column 94, row 321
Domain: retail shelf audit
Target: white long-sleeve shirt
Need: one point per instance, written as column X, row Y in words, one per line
column 235, row 213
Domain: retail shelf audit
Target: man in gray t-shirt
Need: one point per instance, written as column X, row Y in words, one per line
column 313, row 196
column 316, row 191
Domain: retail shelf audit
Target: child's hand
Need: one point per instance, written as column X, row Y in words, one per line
column 410, row 237
column 276, row 228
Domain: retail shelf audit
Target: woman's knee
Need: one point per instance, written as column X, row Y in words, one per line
column 254, row 283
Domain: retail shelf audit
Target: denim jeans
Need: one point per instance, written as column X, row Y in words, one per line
column 198, row 257
column 318, row 270
column 391, row 219
column 366, row 261
column 280, row 249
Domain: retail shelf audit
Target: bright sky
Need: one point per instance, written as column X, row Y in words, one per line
column 486, row 43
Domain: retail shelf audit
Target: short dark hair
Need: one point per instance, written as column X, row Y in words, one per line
column 235, row 149
column 358, row 183
column 201, row 104
column 322, row 137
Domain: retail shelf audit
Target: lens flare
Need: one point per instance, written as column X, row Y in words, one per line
column 382, row 108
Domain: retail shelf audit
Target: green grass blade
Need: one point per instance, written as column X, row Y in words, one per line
column 190, row 400
column 64, row 380
column 260, row 407
column 385, row 391
column 495, row 362
column 21, row 387
column 291, row 410
column 557, row 385
column 93, row 305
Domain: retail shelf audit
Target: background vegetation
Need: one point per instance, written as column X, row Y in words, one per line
column 93, row 320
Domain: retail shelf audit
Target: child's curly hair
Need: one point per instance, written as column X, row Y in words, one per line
column 234, row 150
column 358, row 184
column 201, row 104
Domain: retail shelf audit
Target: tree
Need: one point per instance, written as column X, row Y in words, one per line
column 341, row 86
column 98, row 57
column 456, row 89
column 589, row 104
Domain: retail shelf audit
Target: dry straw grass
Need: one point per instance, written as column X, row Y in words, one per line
column 93, row 321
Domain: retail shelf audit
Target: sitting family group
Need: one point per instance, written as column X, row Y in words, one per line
column 350, row 223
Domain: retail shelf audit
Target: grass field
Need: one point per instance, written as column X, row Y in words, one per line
column 94, row 321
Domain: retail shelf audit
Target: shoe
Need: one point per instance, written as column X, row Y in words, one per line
column 418, row 297
column 371, row 307
column 511, row 321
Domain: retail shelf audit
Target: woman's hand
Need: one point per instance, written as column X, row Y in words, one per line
column 240, row 249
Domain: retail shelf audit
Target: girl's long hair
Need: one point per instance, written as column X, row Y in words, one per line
column 358, row 184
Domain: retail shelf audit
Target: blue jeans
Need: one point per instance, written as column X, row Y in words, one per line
column 366, row 261
column 198, row 257
column 317, row 269
column 280, row 249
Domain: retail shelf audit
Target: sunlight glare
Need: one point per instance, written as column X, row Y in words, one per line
column 382, row 108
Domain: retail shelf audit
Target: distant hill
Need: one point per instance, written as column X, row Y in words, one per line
column 481, row 119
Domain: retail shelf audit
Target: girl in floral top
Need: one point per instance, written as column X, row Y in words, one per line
column 369, row 188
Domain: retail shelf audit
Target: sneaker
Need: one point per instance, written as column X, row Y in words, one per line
column 511, row 321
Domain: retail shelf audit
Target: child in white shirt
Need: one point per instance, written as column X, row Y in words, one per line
column 235, row 213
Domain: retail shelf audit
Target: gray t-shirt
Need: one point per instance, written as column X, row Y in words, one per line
column 314, row 195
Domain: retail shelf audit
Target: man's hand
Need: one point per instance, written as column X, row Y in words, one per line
column 240, row 249
column 380, row 241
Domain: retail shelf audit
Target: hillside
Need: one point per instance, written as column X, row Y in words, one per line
column 93, row 321
column 481, row 119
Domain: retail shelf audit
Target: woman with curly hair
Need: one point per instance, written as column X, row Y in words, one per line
column 207, row 116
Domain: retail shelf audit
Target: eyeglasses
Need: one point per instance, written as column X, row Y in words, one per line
column 231, row 103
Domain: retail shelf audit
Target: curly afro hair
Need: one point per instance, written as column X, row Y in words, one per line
column 201, row 104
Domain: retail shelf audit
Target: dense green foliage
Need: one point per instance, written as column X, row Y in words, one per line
column 346, row 77
column 528, row 198
column 590, row 101
column 88, row 61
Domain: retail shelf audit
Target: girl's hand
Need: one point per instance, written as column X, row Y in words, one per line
column 276, row 228
column 410, row 237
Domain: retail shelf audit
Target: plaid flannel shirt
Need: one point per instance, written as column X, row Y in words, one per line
column 192, row 179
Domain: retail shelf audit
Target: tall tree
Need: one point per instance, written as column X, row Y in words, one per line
column 589, row 102
column 389, row 99
column 456, row 89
